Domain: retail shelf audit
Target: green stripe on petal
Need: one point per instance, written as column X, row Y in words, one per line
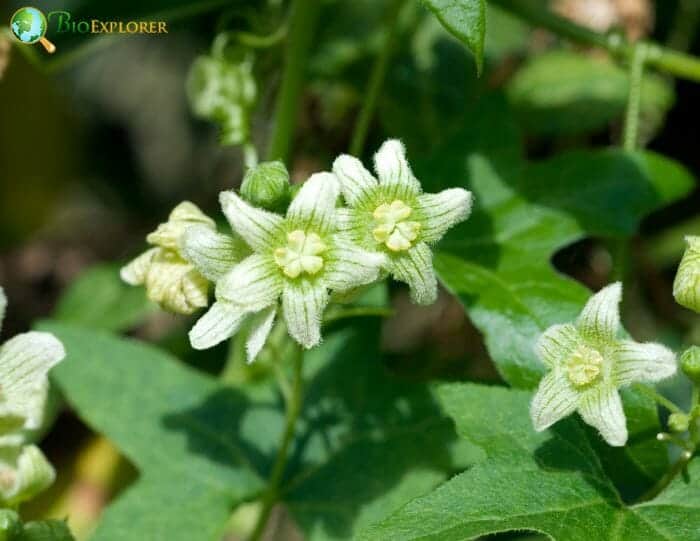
column 260, row 330
column 349, row 266
column 601, row 407
column 415, row 268
column 212, row 253
column 557, row 343
column 313, row 207
column 255, row 283
column 25, row 361
column 220, row 322
column 262, row 230
column 642, row 362
column 395, row 175
column 24, row 473
column 443, row 210
column 303, row 303
column 356, row 183
column 600, row 319
column 554, row 400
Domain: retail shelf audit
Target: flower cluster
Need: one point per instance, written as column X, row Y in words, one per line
column 588, row 361
column 294, row 262
column 25, row 361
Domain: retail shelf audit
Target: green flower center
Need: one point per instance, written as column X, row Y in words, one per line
column 393, row 229
column 301, row 255
column 584, row 366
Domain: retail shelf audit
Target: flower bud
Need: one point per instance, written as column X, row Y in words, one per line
column 690, row 363
column 267, row 186
column 10, row 525
column 686, row 286
column 678, row 422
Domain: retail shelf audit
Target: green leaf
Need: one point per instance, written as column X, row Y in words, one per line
column 464, row 19
column 550, row 483
column 46, row 530
column 562, row 92
column 98, row 298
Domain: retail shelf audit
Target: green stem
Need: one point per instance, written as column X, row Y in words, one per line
column 659, row 399
column 634, row 100
column 674, row 62
column 303, row 19
column 662, row 483
column 359, row 311
column 293, row 404
column 256, row 41
column 376, row 81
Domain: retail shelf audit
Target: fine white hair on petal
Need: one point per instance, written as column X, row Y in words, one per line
column 600, row 318
column 635, row 362
column 261, row 327
column 394, row 173
column 134, row 273
column 313, row 207
column 219, row 323
column 303, row 304
column 554, row 400
column 601, row 407
column 255, row 283
column 212, row 253
column 556, row 343
column 262, row 230
column 356, row 182
column 443, row 210
column 415, row 268
column 349, row 266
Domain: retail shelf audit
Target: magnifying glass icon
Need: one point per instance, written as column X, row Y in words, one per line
column 29, row 26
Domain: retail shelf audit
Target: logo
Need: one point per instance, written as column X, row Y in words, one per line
column 29, row 25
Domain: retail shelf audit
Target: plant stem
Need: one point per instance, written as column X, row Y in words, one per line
column 376, row 80
column 359, row 311
column 293, row 404
column 303, row 19
column 674, row 62
column 670, row 475
column 634, row 100
column 659, row 399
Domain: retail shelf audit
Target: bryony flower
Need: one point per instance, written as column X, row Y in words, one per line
column 686, row 286
column 588, row 362
column 170, row 280
column 25, row 361
column 297, row 258
column 392, row 215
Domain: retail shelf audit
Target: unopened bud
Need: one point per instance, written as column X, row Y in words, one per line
column 686, row 286
column 678, row 422
column 267, row 186
column 690, row 363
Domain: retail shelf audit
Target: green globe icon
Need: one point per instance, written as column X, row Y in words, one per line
column 28, row 25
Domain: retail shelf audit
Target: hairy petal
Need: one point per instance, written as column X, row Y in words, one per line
column 255, row 283
column 415, row 268
column 356, row 183
column 313, row 207
column 212, row 253
column 261, row 327
column 262, row 230
column 220, row 322
column 349, row 266
column 303, row 304
column 601, row 407
column 443, row 210
column 600, row 319
column 557, row 343
column 642, row 362
column 554, row 400
column 394, row 173
column 134, row 273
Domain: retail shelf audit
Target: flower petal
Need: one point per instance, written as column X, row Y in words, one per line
column 556, row 343
column 262, row 230
column 255, row 283
column 415, row 268
column 349, row 266
column 356, row 183
column 600, row 319
column 554, row 400
column 175, row 284
column 601, row 407
column 642, row 362
column 134, row 273
column 25, row 472
column 25, row 361
column 443, row 210
column 212, row 253
column 686, row 286
column 313, row 207
column 261, row 327
column 220, row 322
column 394, row 173
column 303, row 303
